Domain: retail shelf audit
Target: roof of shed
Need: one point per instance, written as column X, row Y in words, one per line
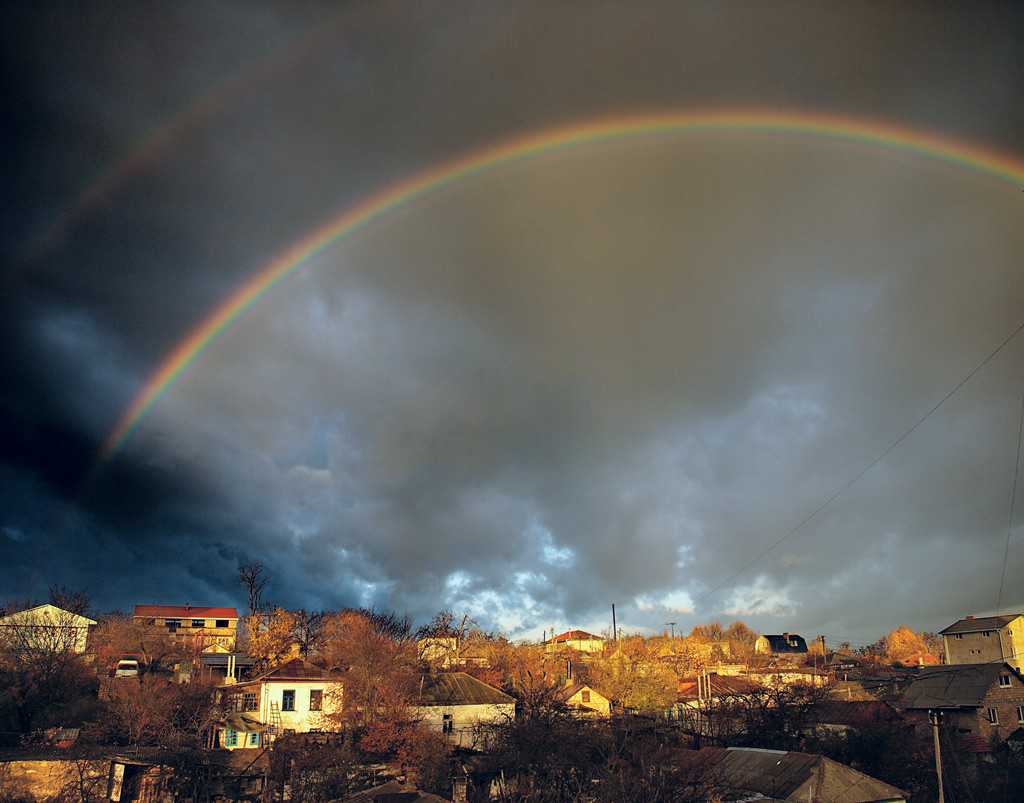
column 458, row 688
column 799, row 776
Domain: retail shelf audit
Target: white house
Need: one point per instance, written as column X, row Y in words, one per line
column 295, row 697
column 456, row 704
column 45, row 627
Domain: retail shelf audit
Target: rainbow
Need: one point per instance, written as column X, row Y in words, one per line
column 974, row 161
column 177, row 125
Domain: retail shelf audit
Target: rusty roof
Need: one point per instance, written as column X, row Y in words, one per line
column 185, row 612
column 295, row 669
column 720, row 685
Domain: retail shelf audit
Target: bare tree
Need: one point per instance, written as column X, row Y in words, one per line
column 310, row 631
column 75, row 601
column 446, row 636
column 253, row 577
column 13, row 605
column 43, row 678
column 118, row 635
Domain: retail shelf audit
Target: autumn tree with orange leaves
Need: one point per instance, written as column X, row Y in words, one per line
column 902, row 643
column 377, row 654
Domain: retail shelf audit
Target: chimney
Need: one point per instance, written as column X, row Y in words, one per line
column 786, row 636
column 969, row 618
column 186, row 606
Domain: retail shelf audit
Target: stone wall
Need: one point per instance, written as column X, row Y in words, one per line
column 44, row 780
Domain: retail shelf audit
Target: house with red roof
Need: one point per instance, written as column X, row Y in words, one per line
column 579, row 640
column 201, row 628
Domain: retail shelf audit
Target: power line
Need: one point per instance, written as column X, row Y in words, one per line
column 870, row 466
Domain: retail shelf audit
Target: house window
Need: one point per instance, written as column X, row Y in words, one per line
column 198, row 623
column 1004, row 681
column 316, row 699
column 447, row 724
column 250, row 701
column 1020, row 713
column 220, row 623
column 231, row 738
column 585, row 696
column 254, row 740
column 172, row 624
column 958, row 635
column 987, row 633
column 288, row 700
column 993, row 716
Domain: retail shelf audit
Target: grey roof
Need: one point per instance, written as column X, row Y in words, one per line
column 799, row 776
column 953, row 686
column 458, row 688
column 787, row 642
column 221, row 659
column 975, row 625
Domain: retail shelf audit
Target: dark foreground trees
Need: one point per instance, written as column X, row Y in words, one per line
column 44, row 681
column 561, row 758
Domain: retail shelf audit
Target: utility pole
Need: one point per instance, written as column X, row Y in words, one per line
column 673, row 625
column 935, row 717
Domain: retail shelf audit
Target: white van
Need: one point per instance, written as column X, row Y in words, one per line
column 127, row 669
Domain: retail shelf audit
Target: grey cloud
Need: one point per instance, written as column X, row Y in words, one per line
column 612, row 375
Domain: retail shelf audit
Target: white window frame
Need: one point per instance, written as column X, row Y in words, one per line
column 1004, row 681
column 993, row 716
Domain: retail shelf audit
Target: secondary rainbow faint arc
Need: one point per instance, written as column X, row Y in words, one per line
column 831, row 130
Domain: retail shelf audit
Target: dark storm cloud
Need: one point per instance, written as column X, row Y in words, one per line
column 617, row 377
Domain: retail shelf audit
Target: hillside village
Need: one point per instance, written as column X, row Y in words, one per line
column 200, row 703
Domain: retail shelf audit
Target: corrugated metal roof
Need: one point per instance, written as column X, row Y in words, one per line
column 458, row 688
column 721, row 686
column 975, row 625
column 799, row 776
column 952, row 686
column 185, row 612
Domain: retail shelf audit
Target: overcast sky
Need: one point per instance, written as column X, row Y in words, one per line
column 622, row 374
